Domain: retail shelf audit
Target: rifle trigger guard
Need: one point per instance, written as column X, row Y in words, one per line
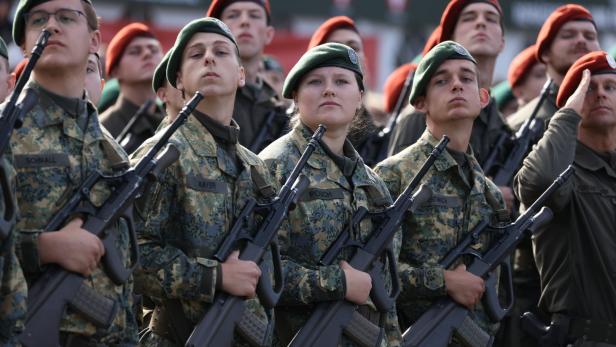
column 385, row 300
column 269, row 294
column 491, row 302
column 112, row 258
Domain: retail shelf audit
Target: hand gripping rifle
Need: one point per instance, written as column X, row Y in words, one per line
column 11, row 118
column 522, row 140
column 57, row 287
column 330, row 320
column 217, row 326
column 437, row 325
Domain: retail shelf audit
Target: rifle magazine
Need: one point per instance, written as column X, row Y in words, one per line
column 98, row 308
column 473, row 335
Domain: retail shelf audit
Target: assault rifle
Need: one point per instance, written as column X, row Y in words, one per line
column 437, row 325
column 57, row 287
column 522, row 140
column 217, row 326
column 11, row 118
column 330, row 320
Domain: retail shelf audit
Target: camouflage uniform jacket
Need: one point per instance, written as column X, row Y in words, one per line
column 116, row 117
column 428, row 234
column 323, row 211
column 13, row 288
column 253, row 103
column 186, row 216
column 486, row 130
column 52, row 156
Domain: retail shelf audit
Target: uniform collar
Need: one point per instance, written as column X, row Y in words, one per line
column 591, row 160
column 445, row 161
column 203, row 144
column 301, row 134
column 52, row 114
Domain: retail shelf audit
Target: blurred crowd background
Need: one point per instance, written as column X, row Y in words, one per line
column 394, row 31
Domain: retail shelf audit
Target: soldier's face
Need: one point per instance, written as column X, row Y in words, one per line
column 478, row 29
column 330, row 96
column 71, row 41
column 139, row 60
column 6, row 80
column 599, row 110
column 248, row 23
column 210, row 65
column 94, row 83
column 573, row 40
column 530, row 87
column 453, row 93
column 172, row 98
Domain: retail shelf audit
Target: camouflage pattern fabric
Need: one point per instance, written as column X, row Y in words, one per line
column 436, row 227
column 321, row 214
column 52, row 156
column 186, row 216
column 13, row 288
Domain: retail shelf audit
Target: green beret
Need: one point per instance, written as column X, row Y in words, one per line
column 3, row 50
column 428, row 65
column 502, row 94
column 109, row 96
column 328, row 54
column 160, row 74
column 612, row 52
column 202, row 25
column 19, row 25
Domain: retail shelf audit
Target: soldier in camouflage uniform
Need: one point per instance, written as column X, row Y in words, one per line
column 187, row 214
column 13, row 288
column 326, row 85
column 250, row 23
column 61, row 143
column 445, row 87
column 478, row 26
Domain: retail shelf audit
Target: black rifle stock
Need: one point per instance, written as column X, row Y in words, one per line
column 330, row 320
column 57, row 288
column 437, row 325
column 11, row 118
column 217, row 326
column 522, row 140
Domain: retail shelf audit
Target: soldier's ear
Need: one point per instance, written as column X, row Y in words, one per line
column 242, row 80
column 484, row 97
column 95, row 41
column 420, row 104
column 269, row 34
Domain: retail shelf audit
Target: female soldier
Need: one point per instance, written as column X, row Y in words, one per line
column 188, row 213
column 326, row 86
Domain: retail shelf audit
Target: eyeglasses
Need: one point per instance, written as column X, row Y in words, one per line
column 64, row 16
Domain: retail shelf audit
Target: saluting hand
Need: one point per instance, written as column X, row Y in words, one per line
column 73, row 248
column 358, row 284
column 240, row 277
column 576, row 100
